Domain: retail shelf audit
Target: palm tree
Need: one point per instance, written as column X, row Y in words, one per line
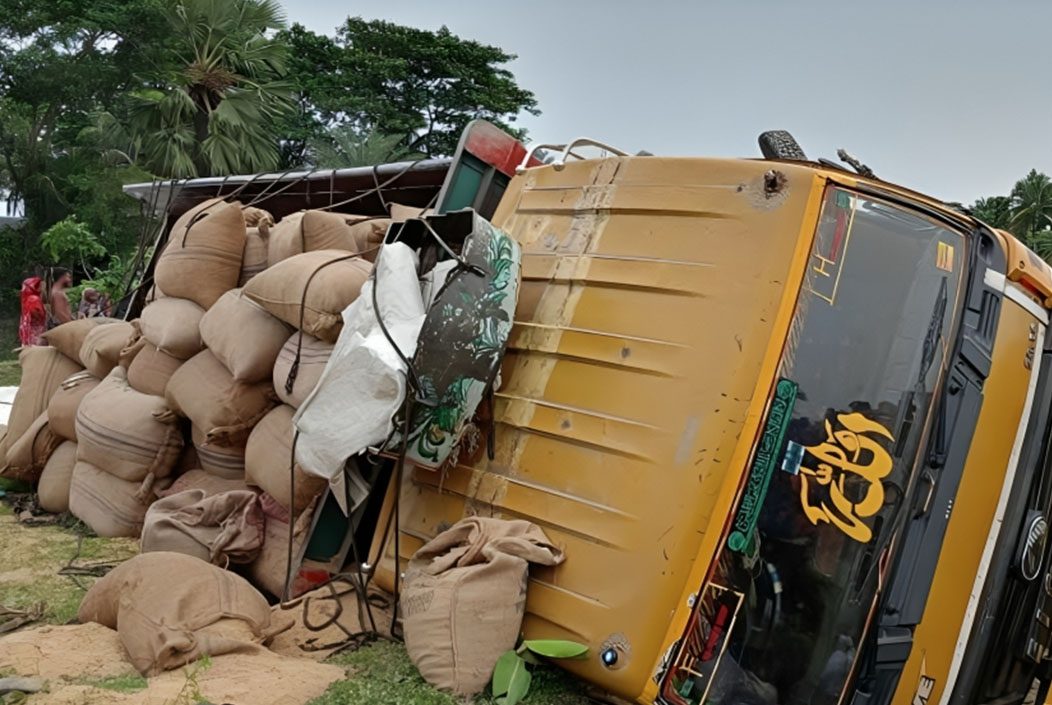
column 1031, row 205
column 995, row 211
column 215, row 110
column 347, row 146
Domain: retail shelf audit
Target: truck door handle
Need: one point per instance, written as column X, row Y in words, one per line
column 928, row 478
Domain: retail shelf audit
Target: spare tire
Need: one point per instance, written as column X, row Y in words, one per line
column 779, row 144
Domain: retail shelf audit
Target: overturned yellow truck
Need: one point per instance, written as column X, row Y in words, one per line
column 790, row 424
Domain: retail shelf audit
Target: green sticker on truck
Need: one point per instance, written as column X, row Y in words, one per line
column 763, row 464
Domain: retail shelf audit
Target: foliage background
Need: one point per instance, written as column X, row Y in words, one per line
column 96, row 94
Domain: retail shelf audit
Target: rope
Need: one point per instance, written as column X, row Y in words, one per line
column 375, row 189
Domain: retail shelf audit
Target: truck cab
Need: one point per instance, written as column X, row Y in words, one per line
column 789, row 425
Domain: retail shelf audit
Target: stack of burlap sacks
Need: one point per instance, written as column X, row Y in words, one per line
column 200, row 391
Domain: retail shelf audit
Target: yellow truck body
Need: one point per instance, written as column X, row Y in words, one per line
column 782, row 420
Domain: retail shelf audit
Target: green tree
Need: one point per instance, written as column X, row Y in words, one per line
column 420, row 85
column 345, row 146
column 995, row 211
column 61, row 62
column 1031, row 205
column 215, row 106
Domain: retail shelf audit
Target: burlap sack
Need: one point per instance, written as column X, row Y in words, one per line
column 464, row 596
column 310, row 231
column 62, row 409
column 221, row 461
column 224, row 409
column 173, row 326
column 43, row 370
column 334, row 282
column 400, row 213
column 130, row 435
column 135, row 345
column 269, row 569
column 220, row 528
column 28, row 454
column 206, row 482
column 53, row 490
column 313, row 356
column 243, row 336
column 165, row 606
column 254, row 258
column 69, row 337
column 256, row 217
column 203, row 256
column 110, row 506
column 267, row 459
column 151, row 369
column 102, row 347
column 153, row 294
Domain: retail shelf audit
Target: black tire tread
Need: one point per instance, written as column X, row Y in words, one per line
column 779, row 144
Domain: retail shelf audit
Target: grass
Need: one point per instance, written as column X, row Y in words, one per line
column 381, row 673
column 128, row 683
column 32, row 556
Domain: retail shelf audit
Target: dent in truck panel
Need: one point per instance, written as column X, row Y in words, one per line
column 649, row 296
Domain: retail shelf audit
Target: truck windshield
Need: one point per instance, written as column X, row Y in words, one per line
column 794, row 585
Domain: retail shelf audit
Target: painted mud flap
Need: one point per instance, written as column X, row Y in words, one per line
column 471, row 271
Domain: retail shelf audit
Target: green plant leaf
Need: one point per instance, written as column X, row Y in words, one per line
column 529, row 657
column 556, row 648
column 518, row 686
column 502, row 672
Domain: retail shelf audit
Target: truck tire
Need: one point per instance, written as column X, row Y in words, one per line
column 779, row 144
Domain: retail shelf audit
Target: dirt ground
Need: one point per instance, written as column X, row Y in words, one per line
column 85, row 664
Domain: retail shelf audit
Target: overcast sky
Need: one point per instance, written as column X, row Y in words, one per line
column 953, row 98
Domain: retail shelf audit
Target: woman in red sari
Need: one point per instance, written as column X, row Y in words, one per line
column 34, row 316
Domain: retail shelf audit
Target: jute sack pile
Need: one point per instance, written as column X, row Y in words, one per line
column 170, row 609
column 53, row 489
column 62, row 409
column 128, row 434
column 102, row 347
column 200, row 480
column 173, row 326
column 151, row 369
column 310, row 231
column 111, row 506
column 464, row 597
column 43, row 369
column 222, row 408
column 243, row 336
column 69, row 337
column 313, row 356
column 202, row 259
column 267, row 459
column 220, row 528
column 254, row 258
column 226, row 462
column 322, row 283
column 27, row 455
